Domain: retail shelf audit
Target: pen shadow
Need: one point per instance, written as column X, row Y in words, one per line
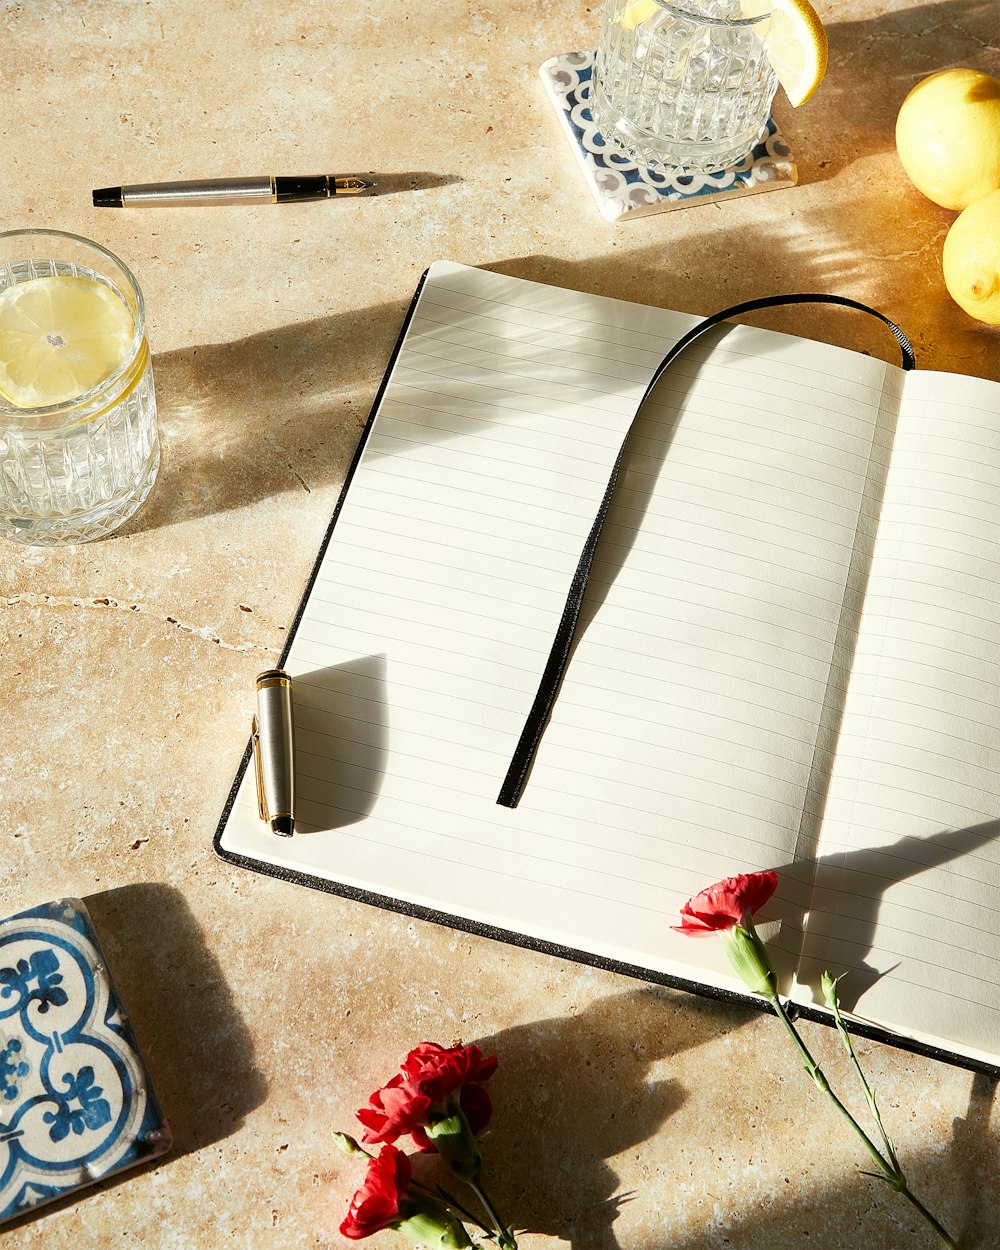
column 341, row 743
column 197, row 1047
column 414, row 180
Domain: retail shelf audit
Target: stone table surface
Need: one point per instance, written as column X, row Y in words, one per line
column 625, row 1115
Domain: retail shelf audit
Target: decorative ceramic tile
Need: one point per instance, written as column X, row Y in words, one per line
column 623, row 189
column 76, row 1104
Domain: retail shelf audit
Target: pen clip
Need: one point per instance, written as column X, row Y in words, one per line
column 258, row 771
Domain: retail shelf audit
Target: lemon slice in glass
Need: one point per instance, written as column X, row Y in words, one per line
column 795, row 42
column 637, row 12
column 59, row 337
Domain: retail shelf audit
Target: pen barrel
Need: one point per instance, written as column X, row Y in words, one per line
column 197, row 191
column 277, row 745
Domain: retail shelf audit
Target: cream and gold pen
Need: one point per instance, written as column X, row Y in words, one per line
column 273, row 740
column 265, row 189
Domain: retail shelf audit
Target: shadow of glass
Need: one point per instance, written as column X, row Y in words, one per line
column 197, row 1047
column 283, row 411
column 341, row 739
column 277, row 411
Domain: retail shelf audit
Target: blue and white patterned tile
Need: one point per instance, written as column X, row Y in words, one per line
column 76, row 1103
column 623, row 189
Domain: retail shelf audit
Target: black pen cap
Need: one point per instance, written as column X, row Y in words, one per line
column 108, row 197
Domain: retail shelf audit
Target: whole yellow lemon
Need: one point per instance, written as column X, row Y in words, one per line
column 971, row 259
column 948, row 136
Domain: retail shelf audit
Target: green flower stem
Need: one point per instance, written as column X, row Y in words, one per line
column 819, row 1079
column 454, row 1138
column 934, row 1223
column 845, row 1037
column 450, row 1201
column 889, row 1171
column 505, row 1238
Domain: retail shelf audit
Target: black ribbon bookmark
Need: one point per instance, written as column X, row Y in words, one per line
column 548, row 688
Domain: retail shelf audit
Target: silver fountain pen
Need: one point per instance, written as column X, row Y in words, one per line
column 265, row 189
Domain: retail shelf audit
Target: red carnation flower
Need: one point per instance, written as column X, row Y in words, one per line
column 392, row 1112
column 727, row 908
column 376, row 1204
column 431, row 1075
column 723, row 906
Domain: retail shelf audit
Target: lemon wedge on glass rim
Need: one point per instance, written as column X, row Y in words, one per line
column 795, row 43
column 60, row 336
column 795, row 39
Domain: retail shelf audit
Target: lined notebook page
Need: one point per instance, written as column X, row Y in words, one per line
column 685, row 735
column 910, row 871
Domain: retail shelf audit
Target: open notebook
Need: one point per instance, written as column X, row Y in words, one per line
column 789, row 654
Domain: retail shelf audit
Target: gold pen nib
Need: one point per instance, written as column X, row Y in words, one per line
column 352, row 185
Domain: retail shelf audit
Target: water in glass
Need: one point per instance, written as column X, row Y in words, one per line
column 682, row 85
column 76, row 471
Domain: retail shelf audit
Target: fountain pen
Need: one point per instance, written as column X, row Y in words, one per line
column 265, row 189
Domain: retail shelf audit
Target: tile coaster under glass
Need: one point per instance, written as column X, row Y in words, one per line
column 624, row 190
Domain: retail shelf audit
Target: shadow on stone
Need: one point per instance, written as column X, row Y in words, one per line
column 196, row 1045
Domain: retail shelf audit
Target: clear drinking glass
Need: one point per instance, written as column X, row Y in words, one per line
column 682, row 83
column 76, row 470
